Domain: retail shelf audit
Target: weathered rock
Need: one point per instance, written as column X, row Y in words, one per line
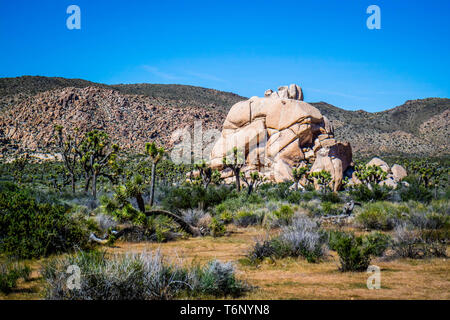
column 398, row 172
column 334, row 159
column 380, row 163
column 276, row 133
column 390, row 182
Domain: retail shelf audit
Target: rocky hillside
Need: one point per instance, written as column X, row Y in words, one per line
column 134, row 114
column 130, row 120
column 418, row 127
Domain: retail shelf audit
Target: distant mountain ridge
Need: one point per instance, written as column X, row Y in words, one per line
column 135, row 113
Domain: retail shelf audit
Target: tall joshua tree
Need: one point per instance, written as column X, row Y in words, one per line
column 235, row 164
column 96, row 154
column 68, row 145
column 253, row 181
column 155, row 155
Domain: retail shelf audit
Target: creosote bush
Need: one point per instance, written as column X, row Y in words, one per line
column 353, row 254
column 29, row 228
column 145, row 276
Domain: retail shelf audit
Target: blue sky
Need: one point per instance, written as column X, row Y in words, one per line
column 241, row 46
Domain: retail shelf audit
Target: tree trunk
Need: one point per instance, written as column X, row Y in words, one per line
column 94, row 186
column 238, row 179
column 72, row 177
column 87, row 184
column 140, row 202
column 183, row 224
column 152, row 190
column 250, row 188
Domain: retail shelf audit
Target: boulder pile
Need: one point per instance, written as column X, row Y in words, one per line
column 394, row 175
column 278, row 132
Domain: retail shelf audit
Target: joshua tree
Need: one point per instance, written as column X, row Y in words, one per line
column 68, row 146
column 205, row 173
column 96, row 154
column 323, row 178
column 370, row 174
column 253, row 181
column 156, row 155
column 235, row 164
column 298, row 174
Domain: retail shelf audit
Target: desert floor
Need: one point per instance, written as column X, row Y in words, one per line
column 289, row 278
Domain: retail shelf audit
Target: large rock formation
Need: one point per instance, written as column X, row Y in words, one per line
column 278, row 132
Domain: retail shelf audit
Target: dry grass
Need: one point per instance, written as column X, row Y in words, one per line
column 294, row 278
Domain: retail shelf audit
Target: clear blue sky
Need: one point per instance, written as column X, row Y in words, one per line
column 241, row 46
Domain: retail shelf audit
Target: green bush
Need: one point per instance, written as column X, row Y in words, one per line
column 217, row 228
column 380, row 215
column 415, row 191
column 332, row 197
column 353, row 254
column 377, row 243
column 284, row 215
column 10, row 273
column 190, row 197
column 247, row 218
column 363, row 193
column 330, row 208
column 29, row 228
column 294, row 197
column 334, row 237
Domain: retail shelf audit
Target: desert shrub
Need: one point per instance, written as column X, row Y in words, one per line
column 330, row 208
column 429, row 220
column 409, row 243
column 332, row 197
column 353, row 254
column 294, row 197
column 433, row 235
column 275, row 191
column 247, row 218
column 218, row 279
column 217, row 228
column 145, row 276
column 301, row 239
column 193, row 196
column 334, row 236
column 380, row 215
column 309, row 195
column 10, row 273
column 233, row 204
column 280, row 217
column 363, row 193
column 193, row 216
column 263, row 248
column 377, row 243
column 226, row 217
column 415, row 191
column 29, row 228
